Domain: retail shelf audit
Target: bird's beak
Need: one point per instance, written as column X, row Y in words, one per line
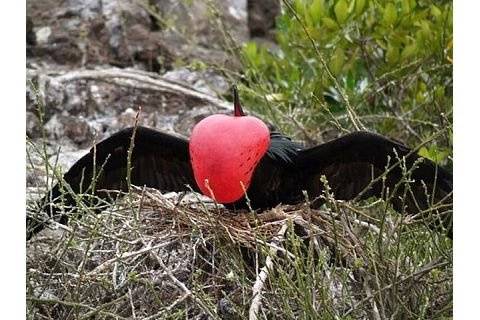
column 237, row 108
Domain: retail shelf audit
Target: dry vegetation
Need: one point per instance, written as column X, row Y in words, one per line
column 156, row 256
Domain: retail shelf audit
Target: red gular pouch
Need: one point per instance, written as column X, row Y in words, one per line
column 224, row 152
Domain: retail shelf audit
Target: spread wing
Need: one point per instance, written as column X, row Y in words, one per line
column 355, row 164
column 158, row 160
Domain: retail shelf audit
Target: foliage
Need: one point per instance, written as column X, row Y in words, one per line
column 390, row 62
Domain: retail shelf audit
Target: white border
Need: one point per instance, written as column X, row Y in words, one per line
column 466, row 159
column 12, row 156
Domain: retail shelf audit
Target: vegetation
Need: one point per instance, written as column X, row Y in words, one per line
column 347, row 65
column 338, row 66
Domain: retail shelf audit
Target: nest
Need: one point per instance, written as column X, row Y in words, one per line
column 141, row 257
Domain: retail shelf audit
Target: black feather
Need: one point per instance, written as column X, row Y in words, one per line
column 351, row 165
column 282, row 148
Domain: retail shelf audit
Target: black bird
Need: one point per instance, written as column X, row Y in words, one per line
column 227, row 155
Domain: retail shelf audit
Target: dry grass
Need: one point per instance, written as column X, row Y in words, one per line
column 154, row 256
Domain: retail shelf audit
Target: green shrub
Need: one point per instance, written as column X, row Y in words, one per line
column 389, row 62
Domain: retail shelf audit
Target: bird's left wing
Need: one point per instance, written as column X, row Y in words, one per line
column 362, row 164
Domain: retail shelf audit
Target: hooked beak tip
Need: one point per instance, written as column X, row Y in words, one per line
column 237, row 107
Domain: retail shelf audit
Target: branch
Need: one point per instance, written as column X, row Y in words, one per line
column 183, row 287
column 126, row 255
column 140, row 80
column 262, row 276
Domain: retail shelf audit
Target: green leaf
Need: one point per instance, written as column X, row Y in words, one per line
column 408, row 51
column 436, row 12
column 299, row 7
column 337, row 61
column 341, row 11
column 393, row 54
column 439, row 92
column 433, row 153
column 317, row 10
column 330, row 23
column 360, row 6
column 389, row 15
column 406, row 8
column 420, row 39
column 251, row 52
column 425, row 26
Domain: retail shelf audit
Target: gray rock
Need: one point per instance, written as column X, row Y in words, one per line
column 42, row 34
column 77, row 129
column 126, row 33
column 86, row 9
column 206, row 22
column 66, row 158
column 31, row 40
column 207, row 81
column 33, row 125
column 261, row 18
column 77, row 111
column 225, row 309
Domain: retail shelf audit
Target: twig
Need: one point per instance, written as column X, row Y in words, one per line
column 130, row 298
column 414, row 275
column 74, row 305
column 167, row 309
column 368, row 291
column 183, row 287
column 126, row 255
column 99, row 309
column 264, row 271
column 145, row 80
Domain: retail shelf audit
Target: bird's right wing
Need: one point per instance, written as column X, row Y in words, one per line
column 362, row 164
column 158, row 160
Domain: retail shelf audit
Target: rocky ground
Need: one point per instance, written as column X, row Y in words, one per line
column 92, row 63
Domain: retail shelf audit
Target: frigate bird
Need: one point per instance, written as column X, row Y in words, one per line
column 230, row 158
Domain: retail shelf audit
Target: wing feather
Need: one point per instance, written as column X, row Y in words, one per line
column 158, row 160
column 355, row 164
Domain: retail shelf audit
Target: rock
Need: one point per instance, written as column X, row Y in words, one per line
column 42, row 35
column 207, row 81
column 130, row 36
column 204, row 31
column 205, row 22
column 86, row 9
column 148, row 49
column 225, row 309
column 77, row 129
column 261, row 18
column 60, row 49
column 66, row 158
column 78, row 110
column 31, row 40
column 35, row 168
column 128, row 33
column 33, row 125
column 90, row 32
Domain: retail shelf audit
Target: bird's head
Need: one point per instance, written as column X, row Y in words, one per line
column 224, row 152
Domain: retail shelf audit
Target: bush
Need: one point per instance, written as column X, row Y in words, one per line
column 381, row 65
